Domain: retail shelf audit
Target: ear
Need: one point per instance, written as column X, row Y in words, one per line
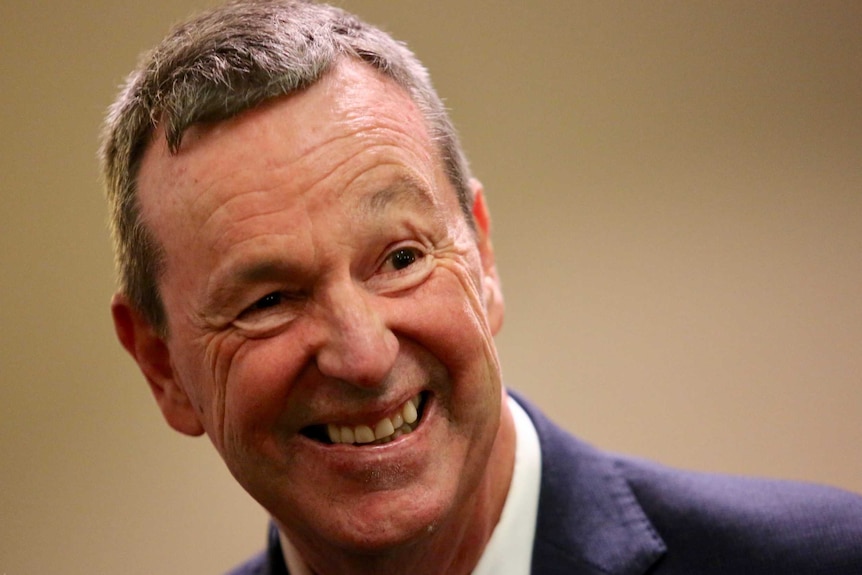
column 492, row 291
column 151, row 352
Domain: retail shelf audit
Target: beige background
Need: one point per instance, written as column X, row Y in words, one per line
column 677, row 190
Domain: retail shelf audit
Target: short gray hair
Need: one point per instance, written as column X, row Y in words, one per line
column 221, row 63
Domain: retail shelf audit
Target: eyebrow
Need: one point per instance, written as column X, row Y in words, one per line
column 261, row 271
column 406, row 190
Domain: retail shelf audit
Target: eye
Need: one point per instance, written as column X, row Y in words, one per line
column 401, row 258
column 403, row 267
column 269, row 314
column 267, row 301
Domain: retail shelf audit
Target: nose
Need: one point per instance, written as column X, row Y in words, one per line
column 357, row 346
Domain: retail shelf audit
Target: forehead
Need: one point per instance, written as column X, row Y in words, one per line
column 352, row 110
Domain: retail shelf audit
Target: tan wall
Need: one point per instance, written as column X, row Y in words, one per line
column 678, row 197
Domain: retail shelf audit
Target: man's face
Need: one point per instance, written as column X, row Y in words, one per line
column 319, row 278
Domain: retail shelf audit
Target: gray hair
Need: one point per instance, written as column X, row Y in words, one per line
column 219, row 64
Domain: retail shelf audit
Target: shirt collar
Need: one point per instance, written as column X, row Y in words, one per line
column 510, row 549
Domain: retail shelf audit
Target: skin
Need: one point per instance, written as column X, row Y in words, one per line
column 319, row 270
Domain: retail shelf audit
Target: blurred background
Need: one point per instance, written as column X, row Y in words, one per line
column 677, row 194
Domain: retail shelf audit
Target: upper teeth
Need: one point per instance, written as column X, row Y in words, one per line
column 384, row 430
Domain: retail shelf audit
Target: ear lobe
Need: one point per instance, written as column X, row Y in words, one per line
column 152, row 355
column 491, row 288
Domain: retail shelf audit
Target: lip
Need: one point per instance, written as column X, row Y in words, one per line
column 371, row 417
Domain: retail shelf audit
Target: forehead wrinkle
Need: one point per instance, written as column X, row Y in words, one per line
column 357, row 128
column 237, row 215
column 370, row 148
column 276, row 164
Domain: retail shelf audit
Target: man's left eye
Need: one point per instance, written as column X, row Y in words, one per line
column 403, row 257
column 403, row 267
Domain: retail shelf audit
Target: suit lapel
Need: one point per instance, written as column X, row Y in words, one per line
column 589, row 521
column 275, row 564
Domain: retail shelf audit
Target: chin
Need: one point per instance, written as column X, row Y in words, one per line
column 386, row 521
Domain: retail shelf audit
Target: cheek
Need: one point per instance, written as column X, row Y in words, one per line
column 256, row 378
column 239, row 385
column 446, row 317
column 460, row 298
column 451, row 325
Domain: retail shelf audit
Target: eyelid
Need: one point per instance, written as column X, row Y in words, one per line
column 392, row 281
column 264, row 321
column 419, row 248
column 256, row 305
column 419, row 252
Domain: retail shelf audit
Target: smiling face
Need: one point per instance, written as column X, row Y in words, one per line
column 321, row 284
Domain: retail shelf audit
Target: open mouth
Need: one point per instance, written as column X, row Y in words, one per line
column 400, row 422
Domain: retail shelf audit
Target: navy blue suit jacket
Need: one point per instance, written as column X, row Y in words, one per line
column 602, row 514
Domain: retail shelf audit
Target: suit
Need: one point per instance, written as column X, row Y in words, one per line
column 603, row 514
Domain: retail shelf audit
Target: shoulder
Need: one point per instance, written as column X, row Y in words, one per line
column 701, row 523
column 712, row 523
column 738, row 522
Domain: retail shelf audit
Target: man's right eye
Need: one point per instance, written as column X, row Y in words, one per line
column 267, row 315
column 267, row 301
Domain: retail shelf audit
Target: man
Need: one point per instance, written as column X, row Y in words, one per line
column 307, row 277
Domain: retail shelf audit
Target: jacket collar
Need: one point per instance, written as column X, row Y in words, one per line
column 589, row 521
